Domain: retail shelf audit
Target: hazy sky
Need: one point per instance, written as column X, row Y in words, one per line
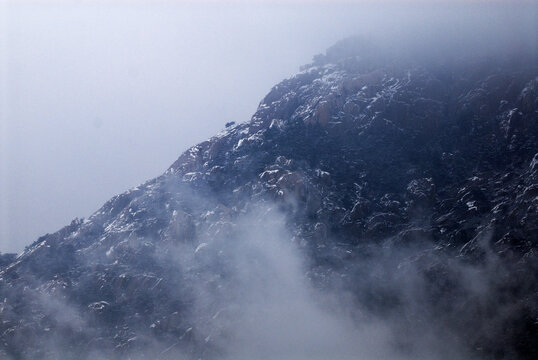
column 97, row 97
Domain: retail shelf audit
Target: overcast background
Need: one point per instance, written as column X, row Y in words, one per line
column 97, row 97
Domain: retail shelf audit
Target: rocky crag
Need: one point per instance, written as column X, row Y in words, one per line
column 410, row 185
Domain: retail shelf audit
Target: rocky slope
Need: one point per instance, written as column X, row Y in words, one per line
column 408, row 187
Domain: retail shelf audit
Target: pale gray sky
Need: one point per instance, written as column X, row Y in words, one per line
column 97, row 97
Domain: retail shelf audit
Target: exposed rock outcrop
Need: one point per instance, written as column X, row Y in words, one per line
column 428, row 168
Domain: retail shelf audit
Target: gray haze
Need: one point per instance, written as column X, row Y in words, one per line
column 97, row 97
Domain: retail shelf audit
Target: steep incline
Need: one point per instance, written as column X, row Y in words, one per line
column 390, row 175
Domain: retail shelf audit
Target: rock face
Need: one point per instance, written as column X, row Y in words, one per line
column 414, row 184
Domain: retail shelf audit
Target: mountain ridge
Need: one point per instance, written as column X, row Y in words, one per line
column 377, row 164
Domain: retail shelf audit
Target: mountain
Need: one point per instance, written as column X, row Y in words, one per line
column 375, row 206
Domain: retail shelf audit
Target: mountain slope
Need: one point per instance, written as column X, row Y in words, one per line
column 407, row 187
